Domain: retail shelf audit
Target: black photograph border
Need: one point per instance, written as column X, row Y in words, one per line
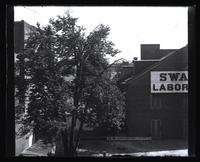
column 7, row 63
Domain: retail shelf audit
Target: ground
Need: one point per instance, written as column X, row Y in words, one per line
column 88, row 148
column 131, row 148
column 38, row 149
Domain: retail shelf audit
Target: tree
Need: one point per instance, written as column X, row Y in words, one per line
column 47, row 88
column 20, row 84
column 68, row 73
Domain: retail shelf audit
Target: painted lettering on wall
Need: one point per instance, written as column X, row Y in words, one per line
column 169, row 82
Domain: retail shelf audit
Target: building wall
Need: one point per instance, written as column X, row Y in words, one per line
column 23, row 143
column 143, row 64
column 169, row 110
column 18, row 36
column 21, row 32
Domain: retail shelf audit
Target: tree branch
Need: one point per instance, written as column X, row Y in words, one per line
column 110, row 66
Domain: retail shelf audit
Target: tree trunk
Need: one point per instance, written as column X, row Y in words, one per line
column 65, row 142
column 80, row 130
column 71, row 142
column 78, row 135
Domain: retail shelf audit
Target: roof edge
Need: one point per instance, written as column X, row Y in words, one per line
column 134, row 78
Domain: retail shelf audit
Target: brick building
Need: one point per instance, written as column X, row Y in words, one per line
column 21, row 32
column 161, row 114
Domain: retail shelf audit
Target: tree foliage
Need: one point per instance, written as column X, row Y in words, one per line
column 68, row 72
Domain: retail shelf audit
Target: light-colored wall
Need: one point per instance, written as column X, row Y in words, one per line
column 23, row 143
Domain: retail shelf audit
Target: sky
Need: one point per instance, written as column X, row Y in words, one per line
column 130, row 26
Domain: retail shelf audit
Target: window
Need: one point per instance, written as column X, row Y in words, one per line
column 155, row 101
column 185, row 128
column 156, row 128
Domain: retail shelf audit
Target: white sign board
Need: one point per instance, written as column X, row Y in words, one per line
column 169, row 81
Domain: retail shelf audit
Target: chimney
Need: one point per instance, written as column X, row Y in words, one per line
column 135, row 58
column 150, row 51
